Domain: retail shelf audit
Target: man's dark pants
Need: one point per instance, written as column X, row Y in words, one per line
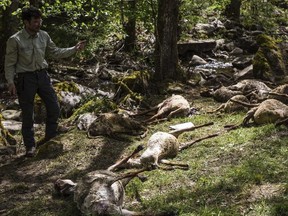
column 28, row 84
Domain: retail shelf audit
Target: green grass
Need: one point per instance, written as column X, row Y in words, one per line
column 222, row 172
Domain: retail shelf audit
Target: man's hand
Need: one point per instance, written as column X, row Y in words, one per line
column 80, row 45
column 12, row 89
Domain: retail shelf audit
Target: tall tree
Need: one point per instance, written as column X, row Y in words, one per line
column 34, row 3
column 232, row 10
column 166, row 53
column 8, row 26
column 130, row 26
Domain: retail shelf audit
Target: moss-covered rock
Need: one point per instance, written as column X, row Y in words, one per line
column 68, row 94
column 51, row 149
column 6, row 138
column 268, row 63
column 131, row 87
column 66, row 86
column 95, row 105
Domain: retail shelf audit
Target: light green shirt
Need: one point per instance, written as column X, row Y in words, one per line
column 26, row 53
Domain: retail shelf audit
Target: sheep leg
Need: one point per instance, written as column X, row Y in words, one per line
column 156, row 121
column 244, row 103
column 249, row 116
column 282, row 122
column 278, row 94
column 153, row 118
column 176, row 133
column 125, row 159
column 180, row 165
column 174, row 113
column 126, row 212
column 163, row 111
column 146, row 111
column 132, row 174
column 188, row 144
column 218, row 109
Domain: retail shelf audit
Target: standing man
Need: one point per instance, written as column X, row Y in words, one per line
column 26, row 74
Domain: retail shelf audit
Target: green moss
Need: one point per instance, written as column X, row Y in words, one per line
column 6, row 138
column 136, row 81
column 260, row 64
column 51, row 149
column 266, row 41
column 66, row 86
column 268, row 62
column 132, row 86
column 58, row 87
column 95, row 105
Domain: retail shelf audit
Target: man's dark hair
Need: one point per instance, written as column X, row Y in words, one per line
column 28, row 13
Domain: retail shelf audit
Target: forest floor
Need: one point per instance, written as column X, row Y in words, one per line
column 240, row 172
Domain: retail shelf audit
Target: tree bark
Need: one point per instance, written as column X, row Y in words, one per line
column 8, row 26
column 34, row 3
column 130, row 27
column 166, row 53
column 232, row 10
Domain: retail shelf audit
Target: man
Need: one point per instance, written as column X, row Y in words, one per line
column 26, row 74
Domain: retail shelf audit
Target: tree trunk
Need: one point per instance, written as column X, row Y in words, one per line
column 166, row 53
column 232, row 10
column 130, row 27
column 8, row 27
column 34, row 3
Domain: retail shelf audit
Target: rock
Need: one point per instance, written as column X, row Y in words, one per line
column 51, row 149
column 12, row 125
column 248, row 44
column 85, row 120
column 236, row 51
column 197, row 60
column 8, row 150
column 196, row 46
column 246, row 73
column 242, row 62
column 12, row 115
column 268, row 62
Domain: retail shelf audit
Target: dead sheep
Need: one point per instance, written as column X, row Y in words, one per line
column 161, row 146
column 112, row 124
column 257, row 90
column 231, row 106
column 99, row 192
column 174, row 106
column 223, row 94
column 268, row 111
column 280, row 93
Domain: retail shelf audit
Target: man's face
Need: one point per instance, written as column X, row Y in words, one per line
column 33, row 26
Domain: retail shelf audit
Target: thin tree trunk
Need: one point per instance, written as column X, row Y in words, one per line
column 34, row 3
column 232, row 10
column 166, row 53
column 8, row 26
column 130, row 27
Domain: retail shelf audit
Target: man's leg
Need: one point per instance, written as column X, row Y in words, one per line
column 26, row 89
column 49, row 97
